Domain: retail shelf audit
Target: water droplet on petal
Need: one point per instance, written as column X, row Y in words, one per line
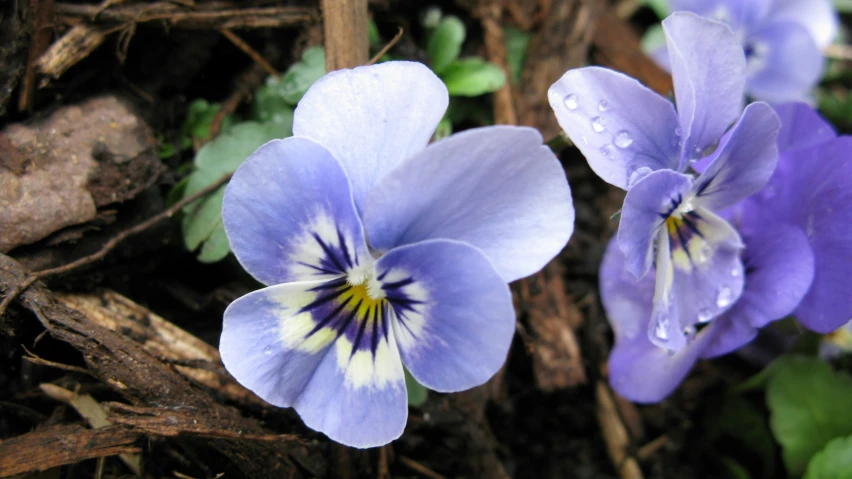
column 603, row 105
column 267, row 350
column 660, row 330
column 571, row 102
column 608, row 151
column 704, row 253
column 726, row 296
column 704, row 315
column 735, row 272
column 598, row 124
column 623, row 139
column 689, row 331
column 637, row 175
column 678, row 131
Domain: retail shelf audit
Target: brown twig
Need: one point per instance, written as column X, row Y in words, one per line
column 345, row 26
column 111, row 244
column 207, row 15
column 31, row 357
column 420, row 468
column 43, row 12
column 387, row 47
column 615, row 434
column 248, row 50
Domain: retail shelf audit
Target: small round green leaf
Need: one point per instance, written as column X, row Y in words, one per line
column 445, row 43
column 473, row 77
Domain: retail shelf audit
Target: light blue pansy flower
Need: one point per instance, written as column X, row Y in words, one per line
column 381, row 251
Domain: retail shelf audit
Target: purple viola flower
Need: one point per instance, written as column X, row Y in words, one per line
column 634, row 139
column 381, row 251
column 798, row 250
column 782, row 40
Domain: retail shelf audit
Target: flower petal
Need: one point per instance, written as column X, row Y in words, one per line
column 639, row 370
column 745, row 161
column 289, row 215
column 372, row 118
column 619, row 125
column 818, row 16
column 785, row 64
column 801, row 127
column 779, row 269
column 737, row 13
column 646, row 207
column 496, row 188
column 454, row 315
column 708, row 68
column 292, row 344
column 811, row 190
column 699, row 274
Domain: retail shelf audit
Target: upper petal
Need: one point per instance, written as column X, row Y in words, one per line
column 289, row 215
column 785, row 63
column 372, row 118
column 646, row 208
column 801, row 127
column 708, row 69
column 737, row 13
column 619, row 125
column 293, row 345
column 454, row 319
column 817, row 16
column 744, row 162
column 497, row 188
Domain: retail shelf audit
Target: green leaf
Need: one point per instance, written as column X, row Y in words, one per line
column 199, row 119
column 417, row 393
column 373, row 36
column 216, row 247
column 445, row 43
column 517, row 42
column 473, row 77
column 653, row 39
column 660, row 7
column 202, row 221
column 833, row 462
column 809, row 405
column 843, row 6
column 271, row 106
column 445, row 129
column 301, row 75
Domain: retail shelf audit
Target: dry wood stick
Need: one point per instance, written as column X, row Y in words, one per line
column 345, row 25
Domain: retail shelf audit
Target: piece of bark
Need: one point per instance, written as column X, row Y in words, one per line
column 190, row 356
column 552, row 320
column 16, row 25
column 53, row 446
column 345, row 23
column 561, row 43
column 617, row 46
column 63, row 168
column 94, row 413
column 490, row 12
column 615, row 434
column 132, row 372
column 205, row 15
column 75, row 45
column 181, row 422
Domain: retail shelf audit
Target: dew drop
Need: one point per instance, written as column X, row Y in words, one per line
column 704, row 253
column 603, row 105
column 571, row 102
column 704, row 315
column 267, row 350
column 623, row 139
column 735, row 272
column 678, row 131
column 598, row 124
column 689, row 331
column 660, row 330
column 726, row 296
column 608, row 151
column 637, row 175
